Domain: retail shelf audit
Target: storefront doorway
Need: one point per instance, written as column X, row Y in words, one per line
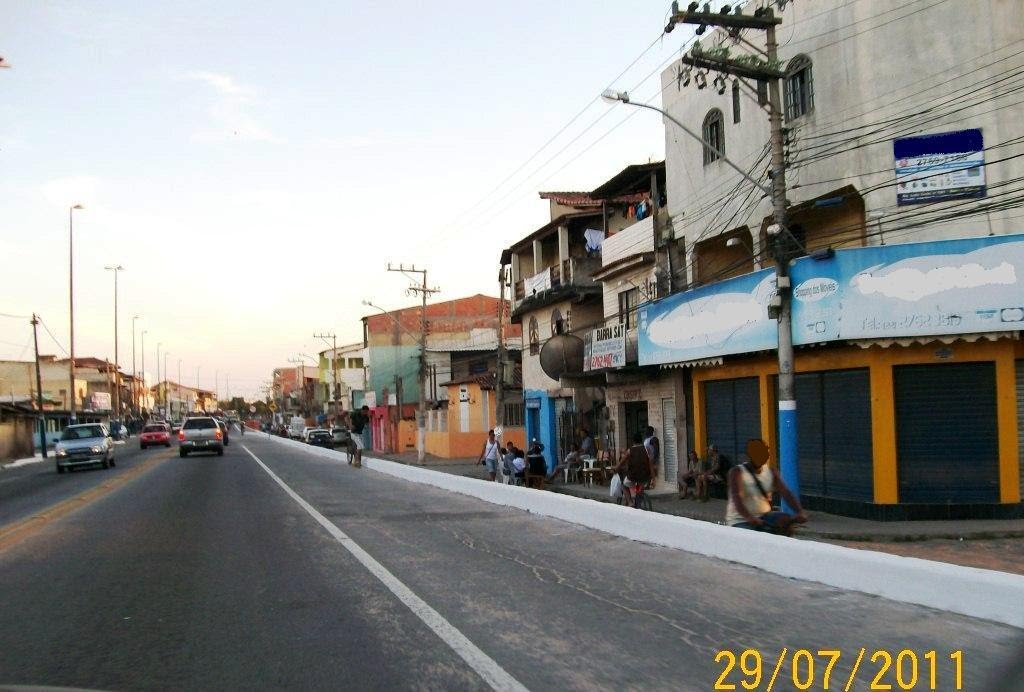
column 634, row 419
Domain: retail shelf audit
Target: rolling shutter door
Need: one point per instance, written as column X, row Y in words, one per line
column 669, row 445
column 1019, row 369
column 846, row 428
column 947, row 445
column 733, row 414
column 810, row 446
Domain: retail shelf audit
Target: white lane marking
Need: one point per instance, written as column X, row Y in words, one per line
column 485, row 666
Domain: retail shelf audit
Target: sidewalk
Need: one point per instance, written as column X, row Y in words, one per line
column 985, row 543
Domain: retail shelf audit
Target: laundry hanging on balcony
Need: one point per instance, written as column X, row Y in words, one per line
column 594, row 238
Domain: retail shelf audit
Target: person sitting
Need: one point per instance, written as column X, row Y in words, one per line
column 537, row 465
column 750, row 495
column 711, row 472
column 688, row 476
column 572, row 461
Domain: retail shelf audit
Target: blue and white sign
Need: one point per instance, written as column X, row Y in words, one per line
column 719, row 319
column 913, row 289
column 933, row 168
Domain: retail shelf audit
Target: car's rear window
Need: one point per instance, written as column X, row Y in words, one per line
column 154, row 428
column 200, row 424
column 82, row 433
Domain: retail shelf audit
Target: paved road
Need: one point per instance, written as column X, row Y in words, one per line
column 205, row 573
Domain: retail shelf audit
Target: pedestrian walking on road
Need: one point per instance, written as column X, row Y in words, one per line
column 489, row 455
column 360, row 424
column 751, row 485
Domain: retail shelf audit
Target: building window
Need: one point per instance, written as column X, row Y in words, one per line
column 557, row 323
column 534, row 337
column 735, row 102
column 628, row 300
column 355, row 363
column 478, row 367
column 514, row 414
column 714, row 135
column 799, row 87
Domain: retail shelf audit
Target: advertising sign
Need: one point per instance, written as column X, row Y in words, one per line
column 605, row 347
column 933, row 168
column 913, row 289
column 727, row 317
column 100, row 401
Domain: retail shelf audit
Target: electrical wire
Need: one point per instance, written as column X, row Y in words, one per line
column 54, row 338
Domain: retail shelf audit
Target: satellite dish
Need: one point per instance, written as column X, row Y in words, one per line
column 562, row 355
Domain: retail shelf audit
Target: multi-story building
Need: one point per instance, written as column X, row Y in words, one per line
column 350, row 361
column 558, row 300
column 902, row 157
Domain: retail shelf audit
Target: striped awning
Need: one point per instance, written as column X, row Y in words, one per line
column 944, row 339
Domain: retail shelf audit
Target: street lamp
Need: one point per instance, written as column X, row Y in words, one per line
column 141, row 396
column 71, row 300
column 117, row 363
column 135, row 377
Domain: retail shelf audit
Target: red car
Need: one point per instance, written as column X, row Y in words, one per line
column 155, row 434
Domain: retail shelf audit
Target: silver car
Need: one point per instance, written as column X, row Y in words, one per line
column 88, row 444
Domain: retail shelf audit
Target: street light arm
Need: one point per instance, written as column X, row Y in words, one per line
column 391, row 317
column 620, row 96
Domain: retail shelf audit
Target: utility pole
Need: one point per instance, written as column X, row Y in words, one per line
column 762, row 69
column 334, row 367
column 499, row 371
column 117, row 362
column 39, row 386
column 421, row 415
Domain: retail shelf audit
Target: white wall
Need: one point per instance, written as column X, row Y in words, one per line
column 869, row 66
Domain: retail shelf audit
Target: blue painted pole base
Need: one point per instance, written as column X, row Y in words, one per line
column 788, row 468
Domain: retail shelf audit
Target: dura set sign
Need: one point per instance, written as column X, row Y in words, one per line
column 605, row 347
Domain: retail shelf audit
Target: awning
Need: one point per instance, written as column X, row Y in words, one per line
column 944, row 339
column 699, row 363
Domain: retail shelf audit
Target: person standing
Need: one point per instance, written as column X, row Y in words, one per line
column 587, row 448
column 653, row 447
column 489, row 455
column 360, row 426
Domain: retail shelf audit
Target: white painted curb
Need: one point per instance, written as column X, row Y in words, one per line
column 980, row 593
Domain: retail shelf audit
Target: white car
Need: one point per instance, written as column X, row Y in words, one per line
column 305, row 432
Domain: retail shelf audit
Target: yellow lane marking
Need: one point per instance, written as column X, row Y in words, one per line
column 20, row 530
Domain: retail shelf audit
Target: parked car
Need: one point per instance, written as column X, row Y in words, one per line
column 88, row 444
column 155, row 434
column 320, row 438
column 304, row 436
column 296, row 426
column 175, row 427
column 341, row 436
column 200, row 434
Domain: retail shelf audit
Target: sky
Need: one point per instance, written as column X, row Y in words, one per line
column 254, row 166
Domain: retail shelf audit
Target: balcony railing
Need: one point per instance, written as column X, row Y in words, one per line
column 575, row 271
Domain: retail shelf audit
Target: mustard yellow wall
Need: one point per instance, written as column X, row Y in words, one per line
column 437, row 444
column 880, row 363
column 406, row 435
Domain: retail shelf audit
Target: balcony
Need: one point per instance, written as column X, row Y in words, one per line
column 634, row 240
column 575, row 272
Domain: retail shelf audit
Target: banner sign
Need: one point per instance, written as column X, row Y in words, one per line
column 100, row 401
column 932, row 168
column 727, row 317
column 912, row 289
column 605, row 347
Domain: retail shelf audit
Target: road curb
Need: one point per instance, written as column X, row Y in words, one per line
column 979, row 593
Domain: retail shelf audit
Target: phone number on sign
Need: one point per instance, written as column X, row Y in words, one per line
column 900, row 670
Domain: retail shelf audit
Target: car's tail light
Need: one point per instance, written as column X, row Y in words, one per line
column 181, row 435
column 219, row 435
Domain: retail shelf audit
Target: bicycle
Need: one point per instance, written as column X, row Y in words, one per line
column 639, row 501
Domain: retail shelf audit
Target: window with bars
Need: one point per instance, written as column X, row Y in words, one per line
column 515, row 414
column 534, row 337
column 799, row 87
column 713, row 133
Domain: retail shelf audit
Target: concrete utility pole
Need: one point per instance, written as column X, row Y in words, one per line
column 72, row 393
column 117, row 362
column 421, row 415
column 39, row 386
column 763, row 70
column 499, row 371
column 334, row 366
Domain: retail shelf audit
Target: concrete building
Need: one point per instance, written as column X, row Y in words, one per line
column 351, row 372
column 902, row 156
column 557, row 301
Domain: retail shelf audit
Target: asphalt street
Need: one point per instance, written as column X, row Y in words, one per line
column 207, row 573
